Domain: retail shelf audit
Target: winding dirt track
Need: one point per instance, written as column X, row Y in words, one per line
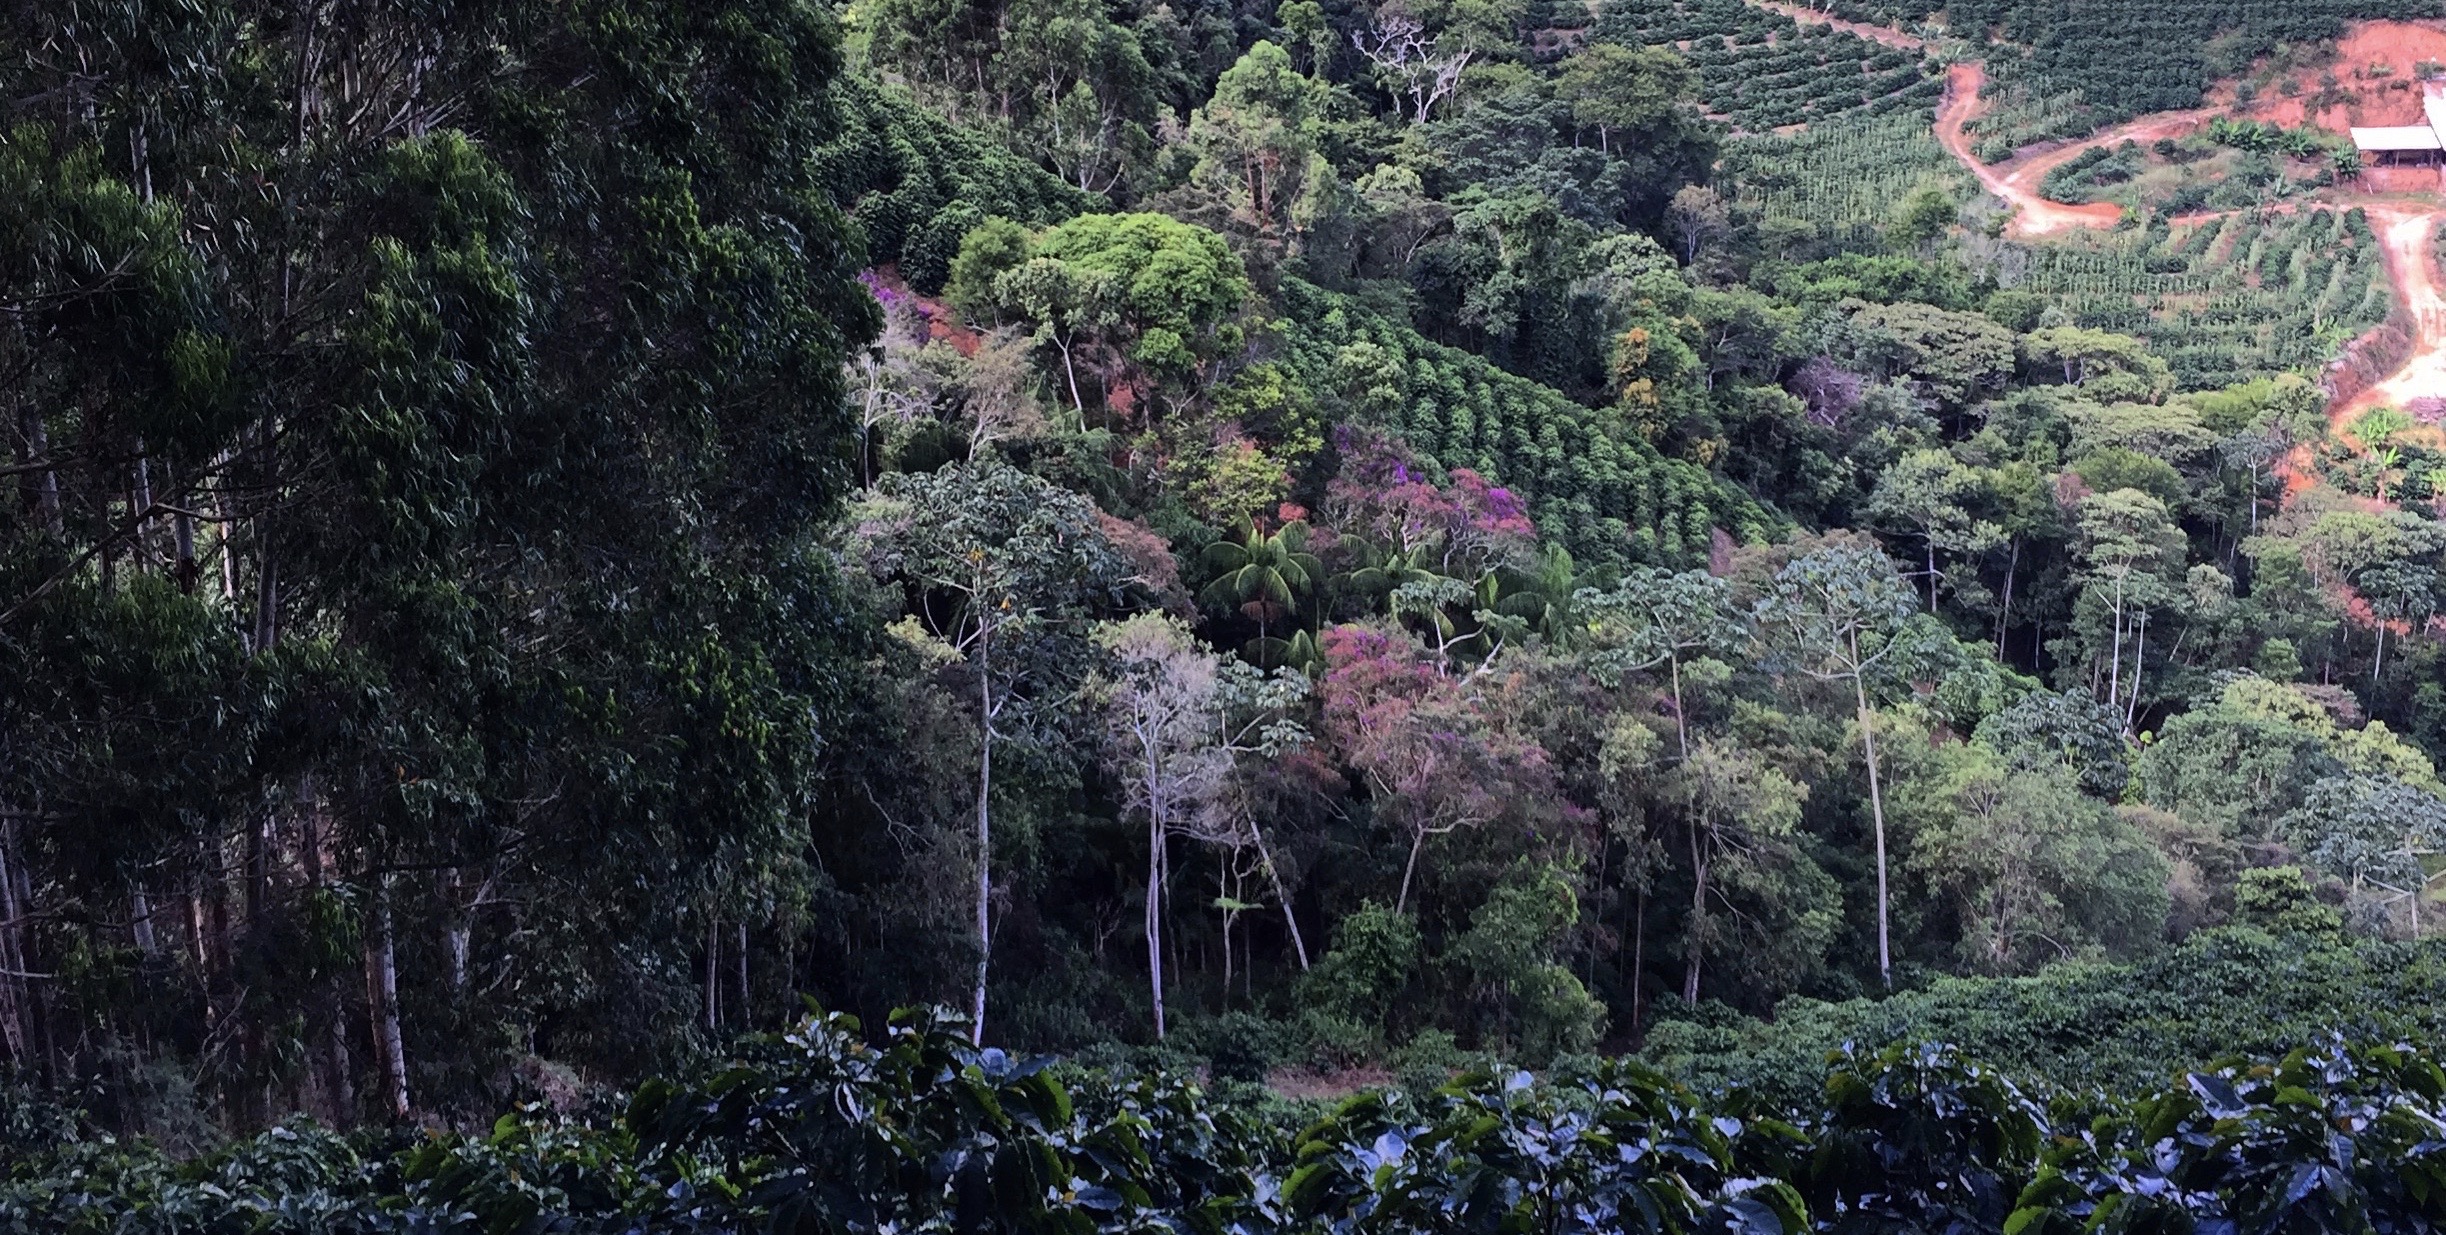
column 2407, row 232
column 2017, row 180
column 2409, row 239
column 1886, row 35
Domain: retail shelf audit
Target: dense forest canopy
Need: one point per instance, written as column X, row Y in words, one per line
column 1311, row 541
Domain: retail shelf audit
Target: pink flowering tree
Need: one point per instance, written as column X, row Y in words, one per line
column 1433, row 549
column 1439, row 755
column 1463, row 527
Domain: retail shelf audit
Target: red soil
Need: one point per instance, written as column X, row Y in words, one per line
column 2387, row 98
column 2015, row 181
column 943, row 324
column 1887, row 35
column 2408, row 230
column 2409, row 236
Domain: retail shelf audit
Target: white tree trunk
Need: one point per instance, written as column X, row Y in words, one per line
column 1876, row 802
column 382, row 964
column 1155, row 921
column 985, row 832
column 1299, row 946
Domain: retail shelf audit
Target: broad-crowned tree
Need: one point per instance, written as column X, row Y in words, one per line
column 2375, row 834
column 1839, row 614
column 2130, row 552
column 2033, row 869
column 1439, row 755
column 2108, row 367
column 1156, row 301
column 1656, row 617
column 1177, row 716
column 1007, row 569
column 1624, row 90
column 1741, row 815
column 1256, row 160
column 1930, row 495
column 2248, row 757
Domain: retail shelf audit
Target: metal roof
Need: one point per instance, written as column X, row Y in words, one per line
column 2406, row 137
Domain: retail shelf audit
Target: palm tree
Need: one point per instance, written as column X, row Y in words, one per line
column 1539, row 595
column 1264, row 577
column 1381, row 571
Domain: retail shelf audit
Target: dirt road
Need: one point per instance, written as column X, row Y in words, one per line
column 2407, row 232
column 2017, row 180
column 2408, row 237
column 1887, row 35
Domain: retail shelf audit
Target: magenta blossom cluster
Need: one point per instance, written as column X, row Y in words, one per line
column 1388, row 496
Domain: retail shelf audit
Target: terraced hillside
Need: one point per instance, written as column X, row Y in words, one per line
column 1762, row 70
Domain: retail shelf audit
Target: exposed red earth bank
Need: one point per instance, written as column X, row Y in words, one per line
column 2402, row 203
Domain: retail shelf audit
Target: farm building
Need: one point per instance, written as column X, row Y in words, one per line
column 2414, row 145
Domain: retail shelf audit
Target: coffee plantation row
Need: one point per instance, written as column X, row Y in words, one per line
column 826, row 1129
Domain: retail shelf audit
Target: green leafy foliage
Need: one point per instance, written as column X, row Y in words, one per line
column 821, row 1130
column 917, row 184
column 2125, row 58
column 1765, row 70
column 1600, row 489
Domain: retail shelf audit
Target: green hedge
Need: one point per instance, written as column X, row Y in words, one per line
column 2125, row 1027
column 1586, row 477
column 827, row 1131
column 917, row 183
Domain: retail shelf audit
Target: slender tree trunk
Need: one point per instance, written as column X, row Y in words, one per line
column 2140, row 652
column 267, row 589
column 221, row 539
column 1273, row 874
column 713, row 977
column 1227, row 956
column 140, row 501
column 1070, row 373
column 458, row 937
column 46, row 484
column 222, row 1002
column 1876, row 802
column 140, row 922
column 258, row 867
column 330, row 1003
column 1930, row 542
column 1681, row 724
column 1639, row 959
column 2114, row 679
column 1172, row 938
column 1418, row 841
column 37, row 999
column 739, row 965
column 985, row 830
column 14, row 1003
column 1694, row 954
column 199, row 944
column 182, row 542
column 335, row 1056
column 267, row 567
column 382, row 964
column 1155, row 921
column 2004, row 610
